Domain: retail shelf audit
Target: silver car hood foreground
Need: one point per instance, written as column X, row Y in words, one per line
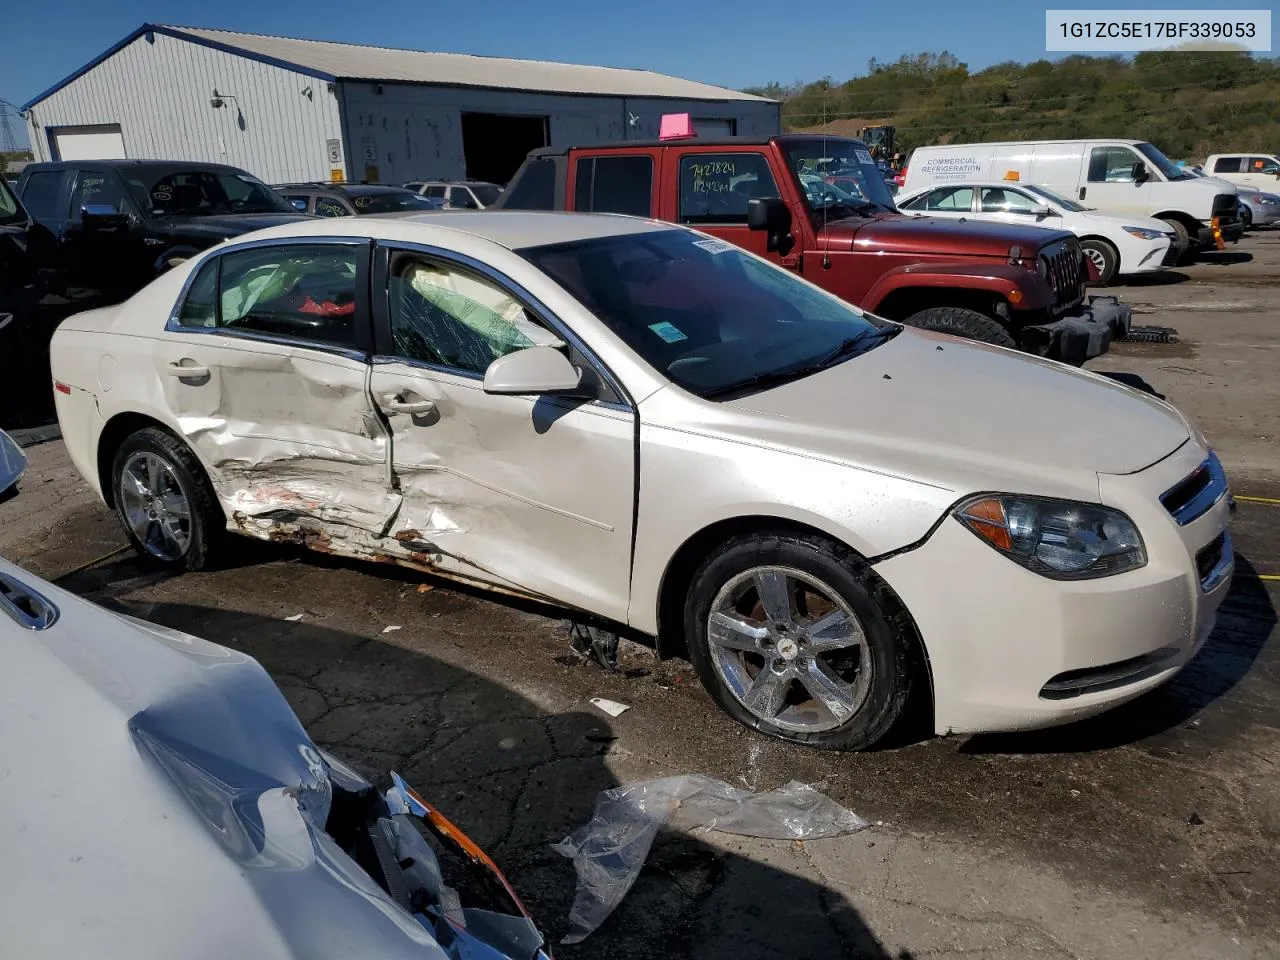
column 160, row 799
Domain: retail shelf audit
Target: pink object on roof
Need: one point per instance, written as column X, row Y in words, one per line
column 675, row 126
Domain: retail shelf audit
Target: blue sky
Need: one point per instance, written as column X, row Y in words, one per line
column 732, row 43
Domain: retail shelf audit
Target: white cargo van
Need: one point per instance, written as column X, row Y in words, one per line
column 1112, row 176
column 1261, row 171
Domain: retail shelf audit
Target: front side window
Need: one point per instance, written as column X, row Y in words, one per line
column 1004, row 200
column 1263, row 165
column 614, row 185
column 446, row 315
column 950, row 200
column 10, row 212
column 199, row 193
column 1227, row 165
column 42, row 193
column 1112, row 165
column 436, row 190
column 461, row 198
column 707, row 315
column 391, row 201
column 716, row 187
column 305, row 292
column 1157, row 160
column 96, row 187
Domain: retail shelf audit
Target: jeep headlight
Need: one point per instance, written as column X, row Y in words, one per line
column 1059, row 539
column 1142, row 233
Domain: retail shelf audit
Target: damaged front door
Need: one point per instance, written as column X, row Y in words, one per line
column 530, row 493
column 265, row 367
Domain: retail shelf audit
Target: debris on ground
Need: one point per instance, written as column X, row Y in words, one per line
column 1147, row 334
column 612, row 707
column 594, row 643
column 609, row 851
column 425, row 588
column 295, row 618
column 391, row 628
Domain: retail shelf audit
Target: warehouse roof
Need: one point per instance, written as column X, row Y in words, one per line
column 349, row 61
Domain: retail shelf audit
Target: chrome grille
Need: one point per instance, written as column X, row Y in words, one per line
column 1063, row 267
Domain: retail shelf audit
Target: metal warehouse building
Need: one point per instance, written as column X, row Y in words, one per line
column 298, row 110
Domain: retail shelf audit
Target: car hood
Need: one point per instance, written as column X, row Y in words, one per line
column 964, row 415
column 233, row 224
column 1114, row 220
column 899, row 233
column 200, row 829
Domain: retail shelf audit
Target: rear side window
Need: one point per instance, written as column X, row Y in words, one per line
column 1227, row 165
column 329, row 207
column 716, row 188
column 951, row 199
column 535, row 189
column 42, row 194
column 614, row 185
column 436, row 191
column 302, row 292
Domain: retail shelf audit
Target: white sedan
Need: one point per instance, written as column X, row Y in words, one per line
column 657, row 428
column 1112, row 244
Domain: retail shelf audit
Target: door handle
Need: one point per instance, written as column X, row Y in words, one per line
column 188, row 370
column 393, row 404
column 1082, row 189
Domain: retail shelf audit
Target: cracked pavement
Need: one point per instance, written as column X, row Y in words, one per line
column 1149, row 832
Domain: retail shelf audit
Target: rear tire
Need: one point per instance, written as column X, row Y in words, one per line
column 1246, row 217
column 165, row 501
column 960, row 322
column 1180, row 253
column 1104, row 258
column 793, row 615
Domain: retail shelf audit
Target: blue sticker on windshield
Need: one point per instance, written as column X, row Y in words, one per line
column 669, row 332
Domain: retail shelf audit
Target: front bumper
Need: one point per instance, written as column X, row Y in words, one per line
column 1085, row 333
column 1010, row 650
column 1232, row 231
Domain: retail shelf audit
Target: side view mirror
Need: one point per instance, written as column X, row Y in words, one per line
column 773, row 216
column 535, row 371
column 1140, row 172
column 1041, row 210
column 102, row 216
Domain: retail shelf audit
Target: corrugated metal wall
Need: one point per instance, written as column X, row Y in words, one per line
column 415, row 132
column 159, row 92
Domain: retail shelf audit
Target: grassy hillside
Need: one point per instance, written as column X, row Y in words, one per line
column 1188, row 104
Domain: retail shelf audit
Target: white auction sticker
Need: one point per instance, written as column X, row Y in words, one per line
column 1132, row 31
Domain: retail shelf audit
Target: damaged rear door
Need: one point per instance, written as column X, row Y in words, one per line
column 531, row 494
column 264, row 365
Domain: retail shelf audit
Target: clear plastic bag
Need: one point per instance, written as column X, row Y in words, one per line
column 609, row 851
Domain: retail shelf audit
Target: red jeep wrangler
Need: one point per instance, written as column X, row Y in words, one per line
column 819, row 206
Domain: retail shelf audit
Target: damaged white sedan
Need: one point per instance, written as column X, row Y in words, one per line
column 659, row 429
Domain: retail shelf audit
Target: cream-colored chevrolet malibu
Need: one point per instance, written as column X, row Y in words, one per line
column 656, row 428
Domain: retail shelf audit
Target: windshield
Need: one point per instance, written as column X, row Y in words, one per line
column 837, row 176
column 1057, row 198
column 391, row 202
column 710, row 316
column 1169, row 169
column 201, row 193
column 486, row 193
column 10, row 212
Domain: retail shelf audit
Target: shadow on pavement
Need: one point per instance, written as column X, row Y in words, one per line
column 1245, row 620
column 1225, row 258
column 1131, row 380
column 516, row 778
column 1157, row 278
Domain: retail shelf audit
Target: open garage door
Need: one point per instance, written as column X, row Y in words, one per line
column 100, row 142
column 495, row 144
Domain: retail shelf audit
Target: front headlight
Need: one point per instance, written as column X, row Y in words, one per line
column 1144, row 234
column 1059, row 539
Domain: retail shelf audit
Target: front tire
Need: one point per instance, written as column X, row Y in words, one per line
column 1180, row 253
column 1246, row 217
column 795, row 637
column 165, row 502
column 960, row 322
column 1103, row 257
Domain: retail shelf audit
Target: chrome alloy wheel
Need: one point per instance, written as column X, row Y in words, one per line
column 1098, row 259
column 155, row 506
column 789, row 649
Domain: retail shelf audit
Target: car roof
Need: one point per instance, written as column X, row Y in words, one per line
column 513, row 229
column 131, row 164
column 755, row 141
